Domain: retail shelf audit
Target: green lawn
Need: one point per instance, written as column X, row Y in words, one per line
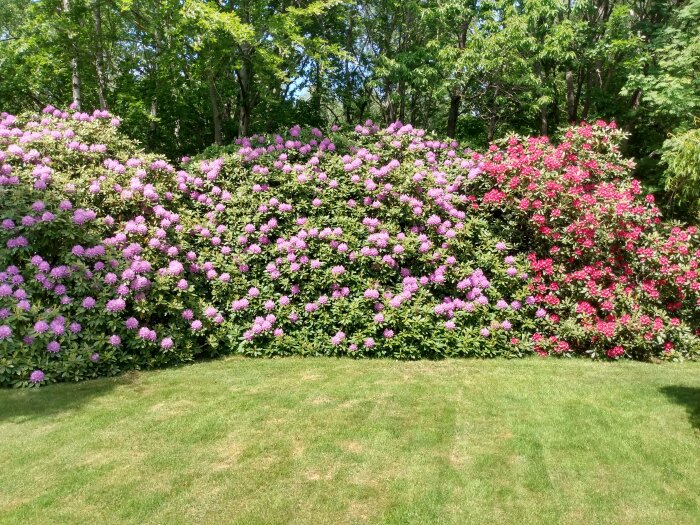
column 340, row 441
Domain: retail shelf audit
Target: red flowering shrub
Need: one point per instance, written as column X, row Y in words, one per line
column 614, row 279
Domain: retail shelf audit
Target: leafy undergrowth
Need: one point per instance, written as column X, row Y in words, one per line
column 365, row 243
column 341, row 441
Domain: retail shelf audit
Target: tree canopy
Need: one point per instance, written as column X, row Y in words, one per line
column 185, row 74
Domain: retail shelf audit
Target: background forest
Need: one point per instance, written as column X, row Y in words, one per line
column 186, row 74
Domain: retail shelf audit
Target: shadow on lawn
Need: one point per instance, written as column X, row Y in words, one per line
column 687, row 396
column 33, row 403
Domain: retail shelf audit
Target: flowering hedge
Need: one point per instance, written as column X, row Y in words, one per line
column 369, row 243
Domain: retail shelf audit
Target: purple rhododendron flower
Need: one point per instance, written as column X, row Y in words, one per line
column 338, row 338
column 147, row 334
column 37, row 376
column 88, row 302
column 115, row 305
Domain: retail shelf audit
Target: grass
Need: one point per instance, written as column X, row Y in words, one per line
column 338, row 441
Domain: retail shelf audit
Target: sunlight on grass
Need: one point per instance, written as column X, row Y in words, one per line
column 341, row 441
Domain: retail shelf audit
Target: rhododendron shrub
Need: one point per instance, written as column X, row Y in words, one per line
column 367, row 243
column 614, row 279
column 75, row 197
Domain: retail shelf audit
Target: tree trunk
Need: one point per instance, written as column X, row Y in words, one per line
column 539, row 71
column 347, row 78
column 361, row 108
column 390, row 109
column 544, row 125
column 577, row 97
column 413, row 109
column 154, row 112
column 628, row 127
column 555, row 112
column 154, row 73
column 215, row 113
column 456, row 97
column 570, row 98
column 390, row 112
column 245, row 94
column 491, row 131
column 636, row 99
column 453, row 115
column 318, row 91
column 75, row 72
column 99, row 57
column 75, row 83
column 402, row 100
column 598, row 74
column 588, row 100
